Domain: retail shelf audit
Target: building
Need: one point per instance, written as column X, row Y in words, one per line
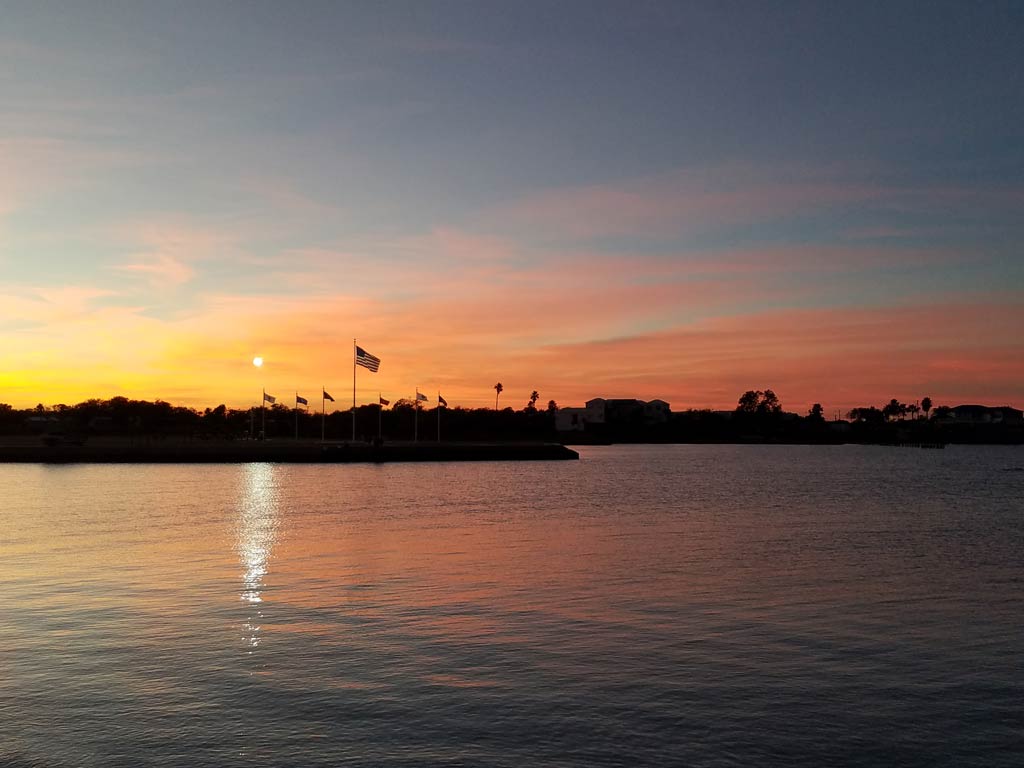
column 983, row 414
column 612, row 411
column 577, row 419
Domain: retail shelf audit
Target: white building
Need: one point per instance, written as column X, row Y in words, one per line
column 601, row 411
column 576, row 419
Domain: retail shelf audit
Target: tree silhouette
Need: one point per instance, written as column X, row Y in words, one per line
column 532, row 405
column 769, row 403
column 756, row 401
column 913, row 409
column 816, row 412
column 926, row 405
column 748, row 401
column 867, row 414
column 498, row 389
column 894, row 410
column 552, row 406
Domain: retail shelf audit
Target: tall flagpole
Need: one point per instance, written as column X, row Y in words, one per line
column 439, row 415
column 296, row 406
column 416, row 422
column 263, row 416
column 380, row 417
column 323, row 410
column 353, row 390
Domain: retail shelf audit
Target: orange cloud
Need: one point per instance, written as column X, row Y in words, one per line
column 687, row 346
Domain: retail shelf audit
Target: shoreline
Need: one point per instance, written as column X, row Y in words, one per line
column 302, row 452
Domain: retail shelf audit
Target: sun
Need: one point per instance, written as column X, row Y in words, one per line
column 257, row 361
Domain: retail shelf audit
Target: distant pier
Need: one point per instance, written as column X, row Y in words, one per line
column 128, row 451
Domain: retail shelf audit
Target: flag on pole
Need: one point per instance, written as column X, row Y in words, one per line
column 327, row 396
column 421, row 397
column 367, row 360
column 301, row 400
column 441, row 400
column 384, row 402
column 269, row 398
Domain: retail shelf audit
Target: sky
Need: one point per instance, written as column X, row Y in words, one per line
column 657, row 200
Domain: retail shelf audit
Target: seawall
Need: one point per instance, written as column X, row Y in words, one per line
column 302, row 452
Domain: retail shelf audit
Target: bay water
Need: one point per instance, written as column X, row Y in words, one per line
column 646, row 605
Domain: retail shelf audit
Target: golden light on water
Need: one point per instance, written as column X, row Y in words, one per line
column 257, row 531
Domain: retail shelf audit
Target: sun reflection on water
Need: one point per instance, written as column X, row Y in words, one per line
column 257, row 530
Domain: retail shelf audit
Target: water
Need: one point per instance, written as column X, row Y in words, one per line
column 674, row 605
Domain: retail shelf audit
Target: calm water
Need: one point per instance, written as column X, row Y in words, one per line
column 681, row 605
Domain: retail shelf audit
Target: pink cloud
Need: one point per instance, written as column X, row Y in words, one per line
column 687, row 202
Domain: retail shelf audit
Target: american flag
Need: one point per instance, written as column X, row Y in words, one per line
column 441, row 400
column 421, row 397
column 384, row 402
column 269, row 398
column 327, row 396
column 301, row 400
column 367, row 360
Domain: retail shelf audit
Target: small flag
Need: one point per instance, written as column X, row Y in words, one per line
column 327, row 396
column 301, row 400
column 421, row 397
column 367, row 360
column 269, row 398
column 384, row 402
column 441, row 400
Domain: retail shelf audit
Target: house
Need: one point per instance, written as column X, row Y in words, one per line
column 612, row 411
column 576, row 419
column 983, row 414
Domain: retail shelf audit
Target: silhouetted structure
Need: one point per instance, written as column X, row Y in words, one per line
column 758, row 417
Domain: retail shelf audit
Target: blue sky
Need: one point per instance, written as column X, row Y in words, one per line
column 163, row 161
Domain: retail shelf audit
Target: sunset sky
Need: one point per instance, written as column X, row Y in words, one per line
column 675, row 200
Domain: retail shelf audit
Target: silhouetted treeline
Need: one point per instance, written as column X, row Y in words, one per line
column 758, row 417
column 121, row 416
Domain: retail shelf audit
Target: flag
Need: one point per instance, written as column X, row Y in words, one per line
column 301, row 400
column 441, row 400
column 327, row 396
column 384, row 402
column 367, row 360
column 421, row 397
column 269, row 398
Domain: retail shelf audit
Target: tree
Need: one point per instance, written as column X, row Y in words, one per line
column 913, row 409
column 894, row 410
column 532, row 405
column 867, row 414
column 498, row 389
column 926, row 405
column 769, row 403
column 816, row 412
column 756, row 401
column 748, row 401
column 552, row 406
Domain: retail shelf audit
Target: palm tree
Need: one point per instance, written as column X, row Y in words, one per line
column 926, row 405
column 534, row 397
column 498, row 389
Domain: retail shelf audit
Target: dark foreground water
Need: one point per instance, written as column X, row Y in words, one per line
column 680, row 605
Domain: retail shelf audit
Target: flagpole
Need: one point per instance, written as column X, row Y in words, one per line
column 416, row 422
column 353, row 390
column 439, row 415
column 263, row 416
column 323, row 410
column 380, row 417
column 296, row 415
